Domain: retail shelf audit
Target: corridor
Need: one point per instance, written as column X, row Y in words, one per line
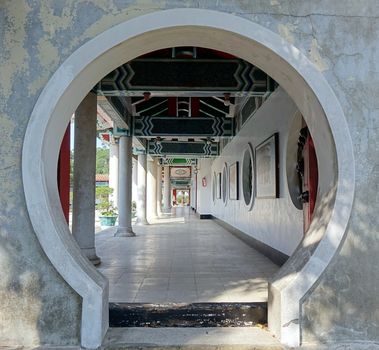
column 182, row 259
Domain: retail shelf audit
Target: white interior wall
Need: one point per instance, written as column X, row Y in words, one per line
column 204, row 193
column 275, row 222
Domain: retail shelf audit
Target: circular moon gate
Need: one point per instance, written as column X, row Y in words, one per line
column 185, row 27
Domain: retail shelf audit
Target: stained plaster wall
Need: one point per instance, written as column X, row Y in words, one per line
column 340, row 38
column 275, row 222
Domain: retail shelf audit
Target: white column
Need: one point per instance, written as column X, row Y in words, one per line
column 193, row 188
column 166, row 190
column 141, row 190
column 124, row 228
column 159, row 189
column 113, row 171
column 135, row 179
column 83, row 214
column 151, row 190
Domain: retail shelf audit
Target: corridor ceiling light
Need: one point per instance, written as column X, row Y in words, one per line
column 227, row 99
column 146, row 96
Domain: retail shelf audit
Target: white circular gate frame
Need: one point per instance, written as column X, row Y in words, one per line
column 185, row 27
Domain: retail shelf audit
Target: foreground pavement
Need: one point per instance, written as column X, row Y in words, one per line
column 182, row 259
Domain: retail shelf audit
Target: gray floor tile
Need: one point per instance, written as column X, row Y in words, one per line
column 175, row 262
column 151, row 297
column 120, row 295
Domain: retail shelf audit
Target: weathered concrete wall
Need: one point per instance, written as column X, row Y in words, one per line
column 340, row 37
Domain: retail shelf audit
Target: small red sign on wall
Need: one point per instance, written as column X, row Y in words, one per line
column 204, row 181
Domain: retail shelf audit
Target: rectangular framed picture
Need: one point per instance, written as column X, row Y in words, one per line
column 233, row 181
column 180, row 172
column 218, row 192
column 266, row 157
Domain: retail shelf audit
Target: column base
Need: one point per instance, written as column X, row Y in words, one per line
column 95, row 260
column 142, row 222
column 90, row 253
column 124, row 232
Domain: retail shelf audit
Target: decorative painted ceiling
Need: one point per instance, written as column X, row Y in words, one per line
column 182, row 100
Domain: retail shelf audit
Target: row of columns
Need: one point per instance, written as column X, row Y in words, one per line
column 166, row 190
column 124, row 187
column 146, row 177
column 149, row 182
column 141, row 189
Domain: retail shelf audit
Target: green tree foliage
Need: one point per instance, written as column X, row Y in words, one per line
column 102, row 160
column 103, row 203
column 103, row 193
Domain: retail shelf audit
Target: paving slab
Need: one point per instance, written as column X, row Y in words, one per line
column 180, row 258
column 191, row 338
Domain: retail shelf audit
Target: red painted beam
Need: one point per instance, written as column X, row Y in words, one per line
column 195, row 106
column 64, row 174
column 172, row 112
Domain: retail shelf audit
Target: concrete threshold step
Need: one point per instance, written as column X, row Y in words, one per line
column 115, row 342
column 215, row 338
column 187, row 315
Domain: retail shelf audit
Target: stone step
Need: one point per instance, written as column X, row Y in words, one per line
column 215, row 338
column 187, row 315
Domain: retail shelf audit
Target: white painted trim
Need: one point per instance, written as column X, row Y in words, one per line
column 214, row 187
column 212, row 29
column 225, row 179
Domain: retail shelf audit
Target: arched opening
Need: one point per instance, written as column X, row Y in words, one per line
column 287, row 65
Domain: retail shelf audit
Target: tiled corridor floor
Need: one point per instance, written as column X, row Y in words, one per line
column 180, row 258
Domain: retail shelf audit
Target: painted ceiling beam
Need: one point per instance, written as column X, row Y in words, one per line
column 193, row 149
column 149, row 126
column 104, row 121
column 182, row 183
column 186, row 77
column 177, row 161
column 199, row 107
column 115, row 109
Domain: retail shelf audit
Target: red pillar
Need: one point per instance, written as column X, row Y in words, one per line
column 64, row 174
